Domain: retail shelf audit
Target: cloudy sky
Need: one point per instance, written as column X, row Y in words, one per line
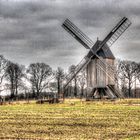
column 30, row 30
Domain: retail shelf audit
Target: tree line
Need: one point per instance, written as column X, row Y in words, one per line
column 33, row 81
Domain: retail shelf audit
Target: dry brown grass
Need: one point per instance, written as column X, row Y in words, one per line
column 73, row 120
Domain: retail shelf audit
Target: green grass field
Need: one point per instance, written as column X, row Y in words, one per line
column 73, row 120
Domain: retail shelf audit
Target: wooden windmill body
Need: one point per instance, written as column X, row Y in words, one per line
column 96, row 77
column 98, row 81
column 99, row 62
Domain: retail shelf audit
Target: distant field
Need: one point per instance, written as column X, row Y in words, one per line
column 73, row 120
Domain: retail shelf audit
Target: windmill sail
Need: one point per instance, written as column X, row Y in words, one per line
column 77, row 34
column 109, row 74
column 116, row 32
column 85, row 61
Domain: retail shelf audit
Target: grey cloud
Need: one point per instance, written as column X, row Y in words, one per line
column 30, row 30
column 17, row 10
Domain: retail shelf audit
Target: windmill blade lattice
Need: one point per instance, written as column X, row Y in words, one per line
column 77, row 34
column 118, row 32
column 87, row 43
column 115, row 33
column 109, row 74
column 85, row 61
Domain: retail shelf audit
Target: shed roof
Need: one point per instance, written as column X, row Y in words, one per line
column 105, row 52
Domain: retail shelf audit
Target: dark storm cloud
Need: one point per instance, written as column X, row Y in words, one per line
column 30, row 30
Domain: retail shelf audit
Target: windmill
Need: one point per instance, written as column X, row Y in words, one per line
column 99, row 62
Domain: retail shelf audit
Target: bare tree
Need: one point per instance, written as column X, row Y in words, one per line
column 82, row 81
column 118, row 72
column 138, row 72
column 72, row 70
column 53, row 86
column 39, row 76
column 14, row 74
column 128, row 70
column 120, row 80
column 3, row 66
column 59, row 75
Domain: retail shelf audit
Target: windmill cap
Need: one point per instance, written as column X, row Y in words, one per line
column 104, row 52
